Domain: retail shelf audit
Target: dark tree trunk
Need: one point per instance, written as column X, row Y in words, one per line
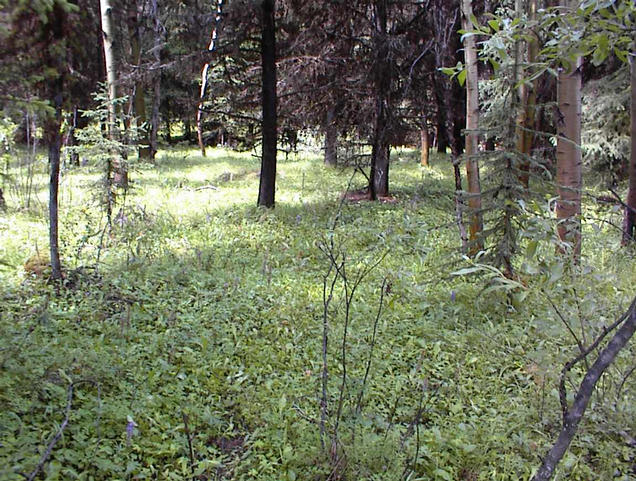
column 441, row 117
column 139, row 100
column 52, row 128
column 71, row 141
column 573, row 415
column 156, row 84
column 267, row 185
column 629, row 224
column 3, row 203
column 331, row 138
column 379, row 178
column 54, row 138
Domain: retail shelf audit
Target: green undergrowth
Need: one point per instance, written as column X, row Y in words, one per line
column 193, row 348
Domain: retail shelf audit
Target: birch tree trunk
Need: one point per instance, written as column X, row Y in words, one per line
column 118, row 169
column 472, row 135
column 569, row 178
column 204, row 76
column 267, row 185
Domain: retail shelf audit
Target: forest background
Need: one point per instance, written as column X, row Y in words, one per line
column 468, row 319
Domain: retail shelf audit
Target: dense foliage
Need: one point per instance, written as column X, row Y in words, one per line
column 193, row 346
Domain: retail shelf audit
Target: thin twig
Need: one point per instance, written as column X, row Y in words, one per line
column 184, row 416
column 67, row 413
column 372, row 346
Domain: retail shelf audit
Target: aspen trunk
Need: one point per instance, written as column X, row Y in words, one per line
column 472, row 135
column 204, row 76
column 119, row 172
column 569, row 178
column 267, row 186
column 629, row 224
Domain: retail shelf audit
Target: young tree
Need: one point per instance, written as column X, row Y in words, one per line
column 54, row 30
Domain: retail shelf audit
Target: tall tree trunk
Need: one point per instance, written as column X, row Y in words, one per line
column 527, row 96
column 139, row 100
column 331, row 138
column 569, row 178
column 424, row 144
column 119, row 171
column 472, row 135
column 379, row 176
column 441, row 113
column 71, row 141
column 267, row 186
column 54, row 138
column 204, row 76
column 156, row 82
column 629, row 224
column 52, row 127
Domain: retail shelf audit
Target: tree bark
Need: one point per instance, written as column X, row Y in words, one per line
column 379, row 176
column 629, row 223
column 527, row 95
column 331, row 138
column 204, row 76
column 424, row 144
column 119, row 171
column 569, row 176
column 71, row 141
column 54, row 137
column 52, row 127
column 267, row 186
column 139, row 100
column 574, row 415
column 472, row 134
column 156, row 83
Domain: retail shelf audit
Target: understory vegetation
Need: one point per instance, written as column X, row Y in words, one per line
column 187, row 339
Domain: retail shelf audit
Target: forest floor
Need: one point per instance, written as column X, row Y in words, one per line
column 187, row 341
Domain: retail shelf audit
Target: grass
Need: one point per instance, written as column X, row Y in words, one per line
column 194, row 346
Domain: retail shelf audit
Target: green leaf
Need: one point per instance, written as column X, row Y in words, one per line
column 461, row 77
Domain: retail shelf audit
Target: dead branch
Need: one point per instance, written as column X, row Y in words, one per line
column 574, row 415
